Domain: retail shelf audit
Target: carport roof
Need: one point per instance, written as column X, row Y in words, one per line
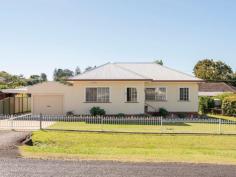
column 16, row 90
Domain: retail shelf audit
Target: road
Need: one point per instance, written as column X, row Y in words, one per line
column 13, row 166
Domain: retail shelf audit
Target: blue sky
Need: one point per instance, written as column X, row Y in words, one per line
column 38, row 36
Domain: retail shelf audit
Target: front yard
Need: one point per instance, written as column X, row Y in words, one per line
column 132, row 147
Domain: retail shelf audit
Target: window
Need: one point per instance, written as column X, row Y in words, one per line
column 131, row 95
column 155, row 94
column 101, row 94
column 184, row 94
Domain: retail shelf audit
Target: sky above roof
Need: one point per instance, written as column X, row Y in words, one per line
column 38, row 36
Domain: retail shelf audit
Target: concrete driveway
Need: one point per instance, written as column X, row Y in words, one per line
column 9, row 141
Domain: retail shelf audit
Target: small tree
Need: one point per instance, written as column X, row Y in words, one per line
column 77, row 71
column 160, row 62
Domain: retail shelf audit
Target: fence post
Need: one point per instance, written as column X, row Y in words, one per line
column 12, row 127
column 40, row 121
column 161, row 124
column 102, row 122
column 219, row 126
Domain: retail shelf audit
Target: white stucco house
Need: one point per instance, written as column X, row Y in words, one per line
column 129, row 88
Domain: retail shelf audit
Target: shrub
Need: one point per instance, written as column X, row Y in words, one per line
column 163, row 112
column 182, row 115
column 120, row 115
column 70, row 113
column 229, row 105
column 97, row 111
column 205, row 103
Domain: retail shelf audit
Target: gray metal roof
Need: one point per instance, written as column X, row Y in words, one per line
column 134, row 71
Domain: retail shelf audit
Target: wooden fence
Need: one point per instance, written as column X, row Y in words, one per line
column 15, row 105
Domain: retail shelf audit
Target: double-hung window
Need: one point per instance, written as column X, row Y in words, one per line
column 100, row 94
column 131, row 95
column 184, row 94
column 155, row 94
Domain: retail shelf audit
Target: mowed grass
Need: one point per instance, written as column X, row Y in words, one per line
column 167, row 128
column 133, row 147
column 217, row 116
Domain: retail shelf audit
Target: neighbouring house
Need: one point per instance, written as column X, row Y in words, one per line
column 215, row 88
column 129, row 88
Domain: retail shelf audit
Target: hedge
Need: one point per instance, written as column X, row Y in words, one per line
column 205, row 103
column 229, row 105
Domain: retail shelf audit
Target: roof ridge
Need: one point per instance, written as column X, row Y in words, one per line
column 90, row 70
column 176, row 70
column 145, row 77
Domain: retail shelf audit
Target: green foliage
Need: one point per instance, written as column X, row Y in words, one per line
column 61, row 75
column 223, row 96
column 229, row 105
column 70, row 113
column 77, row 71
column 182, row 115
column 163, row 112
column 120, row 115
column 213, row 70
column 160, row 62
column 205, row 103
column 97, row 111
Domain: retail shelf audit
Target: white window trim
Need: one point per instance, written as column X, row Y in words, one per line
column 158, row 89
column 98, row 87
column 125, row 95
column 188, row 94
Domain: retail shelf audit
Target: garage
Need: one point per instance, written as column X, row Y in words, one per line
column 48, row 104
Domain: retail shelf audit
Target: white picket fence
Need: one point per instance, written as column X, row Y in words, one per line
column 134, row 124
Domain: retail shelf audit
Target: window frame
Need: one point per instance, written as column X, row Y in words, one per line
column 126, row 95
column 184, row 100
column 97, row 87
column 157, row 88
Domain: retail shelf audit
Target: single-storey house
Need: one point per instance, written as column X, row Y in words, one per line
column 129, row 88
column 215, row 88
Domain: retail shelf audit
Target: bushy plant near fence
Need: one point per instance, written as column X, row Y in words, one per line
column 205, row 103
column 229, row 105
column 97, row 111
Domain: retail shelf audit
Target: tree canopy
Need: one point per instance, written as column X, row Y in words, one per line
column 12, row 81
column 209, row 69
column 62, row 74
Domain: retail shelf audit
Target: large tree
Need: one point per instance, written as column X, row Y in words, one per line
column 209, row 69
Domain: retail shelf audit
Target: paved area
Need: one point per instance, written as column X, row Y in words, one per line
column 29, row 125
column 9, row 141
column 46, row 168
column 13, row 166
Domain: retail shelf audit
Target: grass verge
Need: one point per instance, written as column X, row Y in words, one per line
column 132, row 147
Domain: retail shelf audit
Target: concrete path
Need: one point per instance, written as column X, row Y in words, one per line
column 9, row 141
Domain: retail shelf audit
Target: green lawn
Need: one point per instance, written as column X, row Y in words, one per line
column 222, row 117
column 132, row 147
column 167, row 128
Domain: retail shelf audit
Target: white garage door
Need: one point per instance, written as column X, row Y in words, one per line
column 48, row 104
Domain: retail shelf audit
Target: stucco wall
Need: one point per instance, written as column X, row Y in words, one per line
column 74, row 96
column 173, row 104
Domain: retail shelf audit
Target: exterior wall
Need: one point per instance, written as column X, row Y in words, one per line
column 173, row 104
column 74, row 96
